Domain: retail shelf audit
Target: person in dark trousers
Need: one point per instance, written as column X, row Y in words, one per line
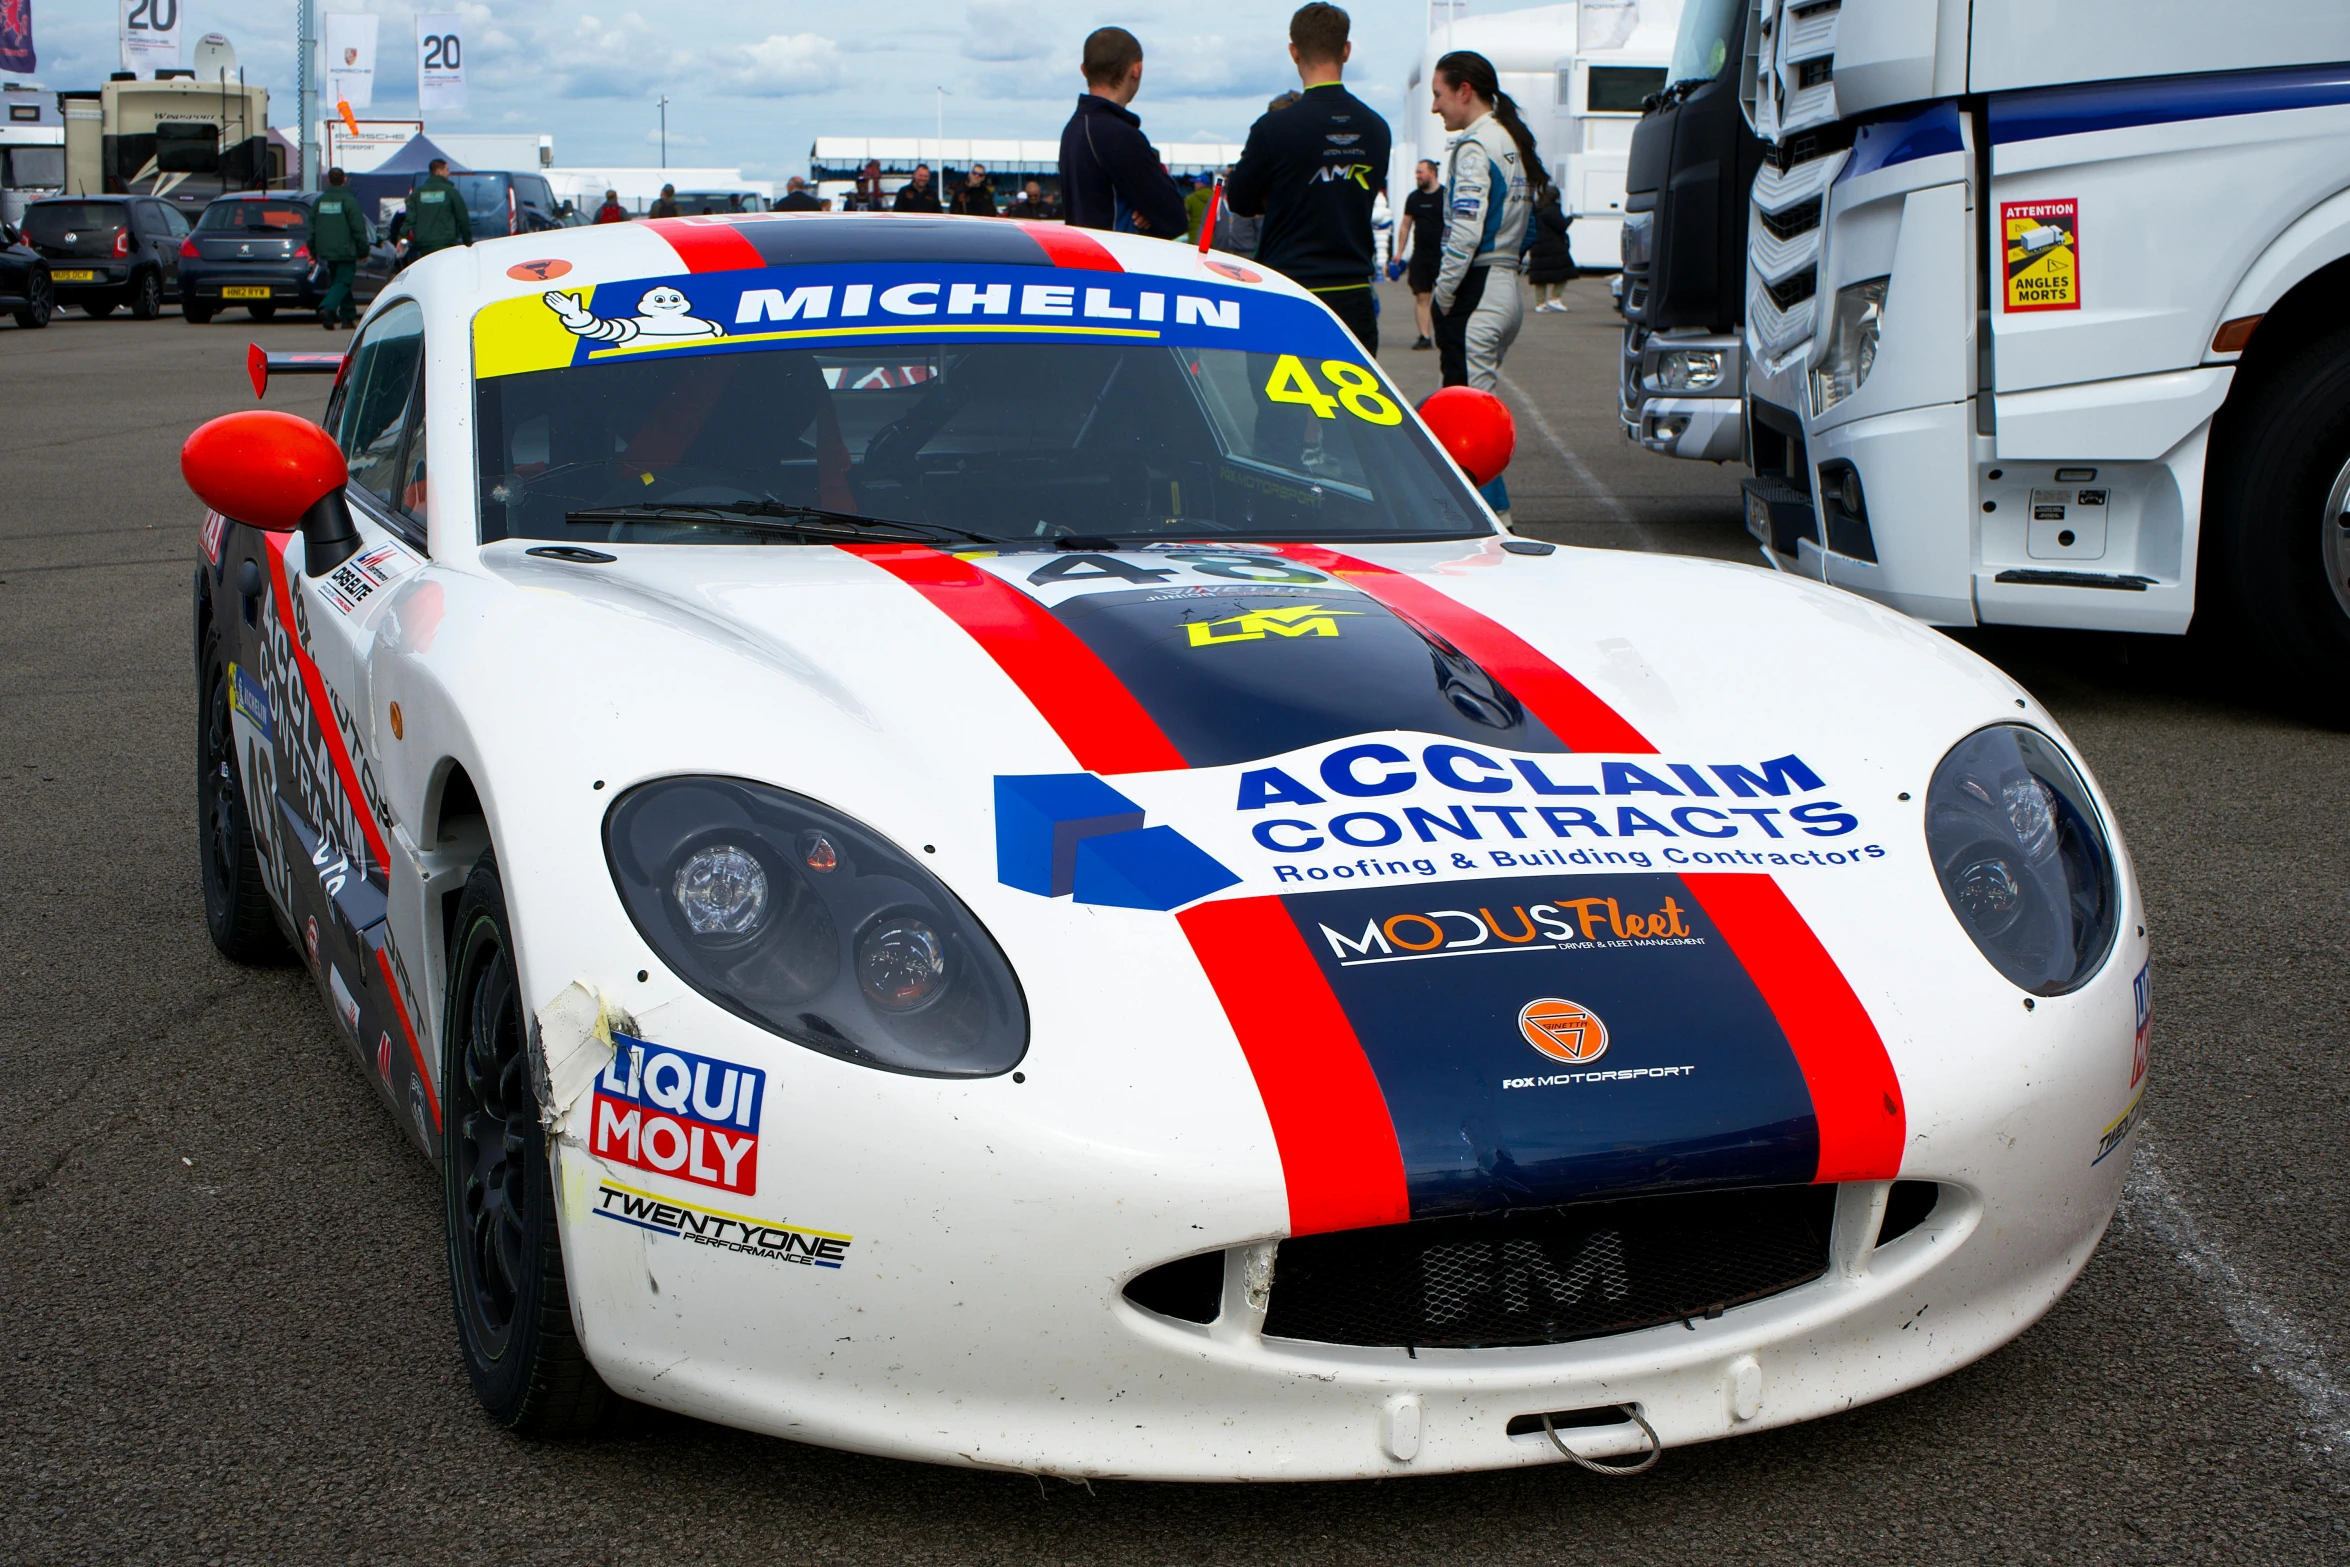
column 338, row 238
column 611, row 211
column 1420, row 236
column 975, row 197
column 436, row 216
column 1550, row 260
column 916, row 195
column 1314, row 171
column 796, row 197
column 666, row 206
column 1111, row 176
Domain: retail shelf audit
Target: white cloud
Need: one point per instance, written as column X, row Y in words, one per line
column 785, row 65
column 1001, row 30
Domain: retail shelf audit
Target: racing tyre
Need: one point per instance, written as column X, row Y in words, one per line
column 262, row 312
column 98, row 309
column 194, row 314
column 236, row 906
column 2279, row 523
column 505, row 1254
column 146, row 297
column 39, row 305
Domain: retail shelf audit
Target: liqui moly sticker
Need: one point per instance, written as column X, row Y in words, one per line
column 689, row 1117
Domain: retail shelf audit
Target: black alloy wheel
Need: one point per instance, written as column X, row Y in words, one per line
column 40, row 303
column 99, row 307
column 237, row 914
column 146, row 296
column 262, row 312
column 506, row 1277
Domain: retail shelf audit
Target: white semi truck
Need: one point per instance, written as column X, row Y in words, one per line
column 2048, row 313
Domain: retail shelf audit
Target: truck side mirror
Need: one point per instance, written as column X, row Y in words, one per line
column 275, row 472
column 1474, row 428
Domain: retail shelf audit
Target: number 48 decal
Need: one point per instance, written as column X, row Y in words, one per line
column 1358, row 390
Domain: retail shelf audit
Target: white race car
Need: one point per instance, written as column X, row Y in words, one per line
column 924, row 815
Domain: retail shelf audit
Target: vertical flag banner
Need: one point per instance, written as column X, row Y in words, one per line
column 150, row 35
column 440, row 61
column 16, row 36
column 350, row 58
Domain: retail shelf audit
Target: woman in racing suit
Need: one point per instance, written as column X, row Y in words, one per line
column 1491, row 177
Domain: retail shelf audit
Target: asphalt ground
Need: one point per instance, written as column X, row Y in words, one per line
column 224, row 1322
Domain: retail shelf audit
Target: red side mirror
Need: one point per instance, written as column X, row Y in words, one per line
column 1475, row 428
column 262, row 468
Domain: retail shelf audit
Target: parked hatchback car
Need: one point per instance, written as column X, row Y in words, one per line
column 25, row 290
column 253, row 249
column 105, row 251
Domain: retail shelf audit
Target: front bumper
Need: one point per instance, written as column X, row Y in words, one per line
column 978, row 1315
column 1678, row 422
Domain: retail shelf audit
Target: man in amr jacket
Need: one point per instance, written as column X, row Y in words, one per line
column 1111, row 176
column 338, row 237
column 436, row 216
column 1314, row 170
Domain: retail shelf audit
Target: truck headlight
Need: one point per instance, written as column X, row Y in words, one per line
column 808, row 924
column 2022, row 858
column 1851, row 350
column 1688, row 370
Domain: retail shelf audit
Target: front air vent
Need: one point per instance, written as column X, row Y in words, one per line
column 1801, row 218
column 1191, row 1290
column 1907, row 1206
column 1550, row 1275
column 1789, row 292
column 1814, row 73
column 1804, row 146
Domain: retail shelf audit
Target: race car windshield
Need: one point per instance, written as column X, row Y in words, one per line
column 1014, row 441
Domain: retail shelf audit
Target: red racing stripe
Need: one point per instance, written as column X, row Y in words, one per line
column 706, row 246
column 1105, row 728
column 432, row 1101
column 1339, row 1156
column 1561, row 701
column 315, row 688
column 1072, row 248
column 1854, row 1092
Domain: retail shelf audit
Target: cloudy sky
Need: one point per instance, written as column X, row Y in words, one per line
column 754, row 85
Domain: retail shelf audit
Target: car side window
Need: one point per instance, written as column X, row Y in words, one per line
column 372, row 420
column 175, row 222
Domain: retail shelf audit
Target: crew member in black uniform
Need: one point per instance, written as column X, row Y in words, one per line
column 1420, row 237
column 1314, row 170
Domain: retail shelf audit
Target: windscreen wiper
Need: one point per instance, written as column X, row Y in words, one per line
column 811, row 522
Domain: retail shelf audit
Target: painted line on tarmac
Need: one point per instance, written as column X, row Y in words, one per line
column 2281, row 1347
column 1575, row 465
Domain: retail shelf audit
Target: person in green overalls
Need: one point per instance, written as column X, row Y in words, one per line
column 436, row 217
column 338, row 237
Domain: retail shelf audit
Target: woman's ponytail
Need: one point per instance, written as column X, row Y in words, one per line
column 1465, row 67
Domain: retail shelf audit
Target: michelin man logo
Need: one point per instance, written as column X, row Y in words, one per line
column 663, row 313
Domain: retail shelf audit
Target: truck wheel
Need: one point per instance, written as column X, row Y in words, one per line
column 2280, row 521
column 236, row 907
column 505, row 1253
column 146, row 297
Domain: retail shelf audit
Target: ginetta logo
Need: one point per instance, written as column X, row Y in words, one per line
column 1254, row 625
column 1562, row 1030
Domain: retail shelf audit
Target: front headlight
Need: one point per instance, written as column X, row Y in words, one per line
column 1688, row 370
column 1851, row 350
column 794, row 917
column 2022, row 858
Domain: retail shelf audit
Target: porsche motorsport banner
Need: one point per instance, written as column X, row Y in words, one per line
column 350, row 58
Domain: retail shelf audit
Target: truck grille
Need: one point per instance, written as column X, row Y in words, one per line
column 1801, row 218
column 1550, row 1275
column 1789, row 292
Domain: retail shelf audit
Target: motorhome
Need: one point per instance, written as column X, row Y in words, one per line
column 178, row 138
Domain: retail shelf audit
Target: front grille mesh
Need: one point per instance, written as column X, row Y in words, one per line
column 1789, row 292
column 1801, row 218
column 1549, row 1275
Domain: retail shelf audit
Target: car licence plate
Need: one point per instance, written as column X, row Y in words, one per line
column 244, row 291
column 75, row 275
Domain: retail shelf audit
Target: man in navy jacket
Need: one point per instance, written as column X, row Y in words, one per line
column 1111, row 176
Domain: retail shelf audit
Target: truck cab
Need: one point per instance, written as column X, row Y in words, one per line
column 1684, row 245
column 32, row 149
column 2046, row 320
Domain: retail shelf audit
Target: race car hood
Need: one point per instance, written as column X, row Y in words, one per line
column 1519, row 878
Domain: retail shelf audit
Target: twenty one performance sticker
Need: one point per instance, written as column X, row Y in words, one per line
column 2042, row 240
